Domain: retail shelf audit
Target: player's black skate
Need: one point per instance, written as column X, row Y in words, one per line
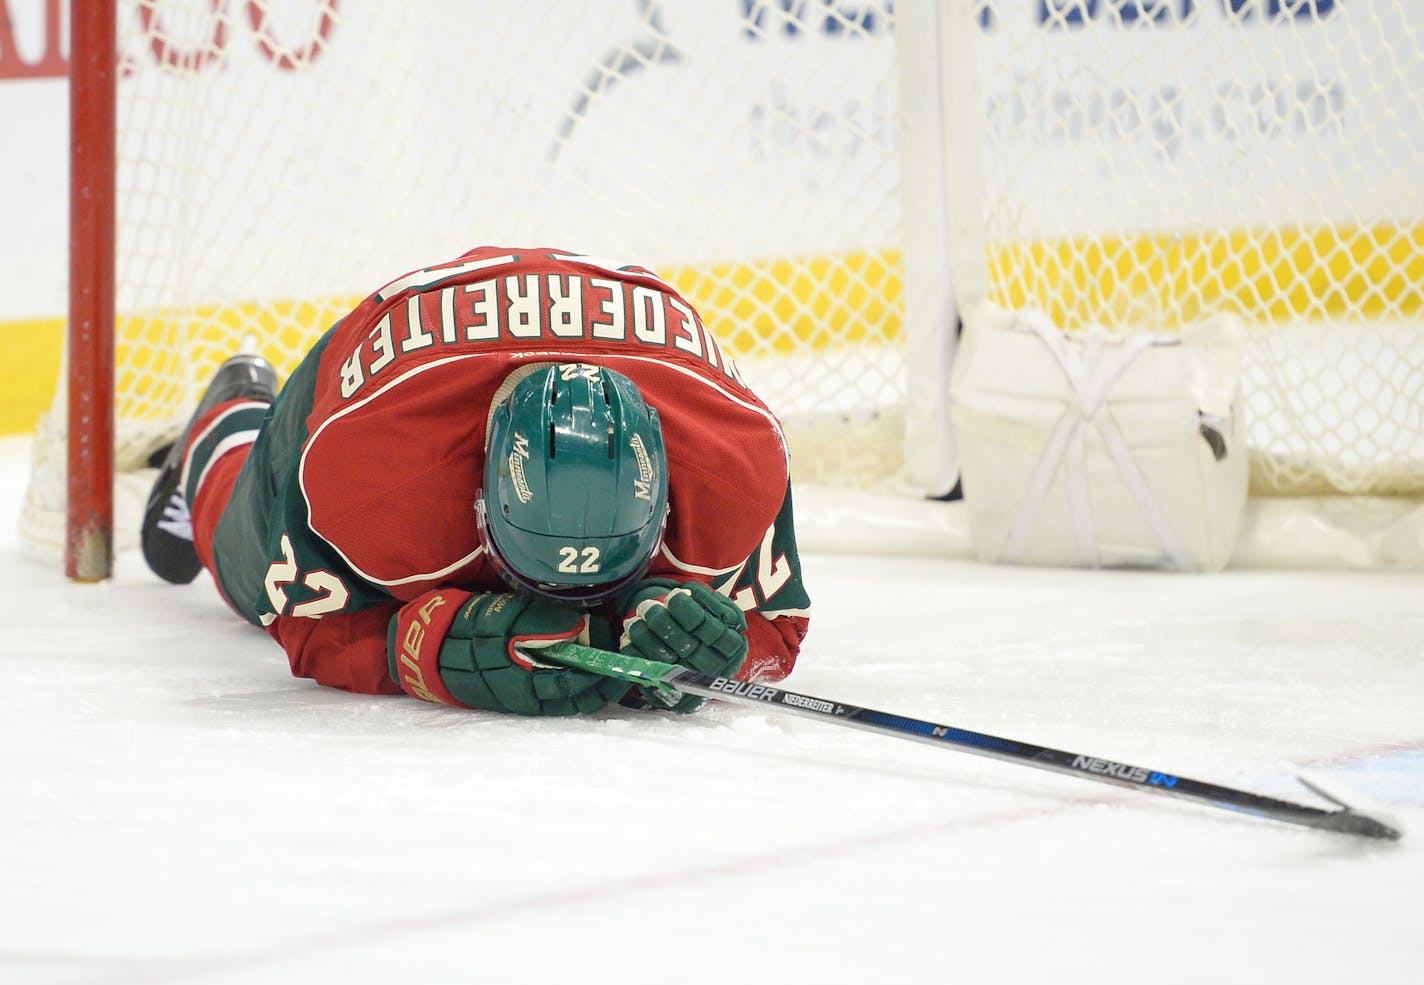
column 167, row 535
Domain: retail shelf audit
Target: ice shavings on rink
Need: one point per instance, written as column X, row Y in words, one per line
column 175, row 808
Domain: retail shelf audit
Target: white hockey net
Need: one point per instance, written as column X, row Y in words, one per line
column 1146, row 163
column 279, row 159
column 1138, row 163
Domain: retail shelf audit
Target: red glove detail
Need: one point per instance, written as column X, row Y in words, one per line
column 417, row 632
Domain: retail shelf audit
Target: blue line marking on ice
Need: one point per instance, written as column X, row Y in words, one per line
column 1391, row 777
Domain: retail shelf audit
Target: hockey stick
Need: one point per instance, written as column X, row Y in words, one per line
column 1351, row 814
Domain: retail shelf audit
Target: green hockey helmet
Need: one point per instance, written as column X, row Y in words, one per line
column 575, row 492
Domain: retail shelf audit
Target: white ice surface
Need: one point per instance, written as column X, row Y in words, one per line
column 175, row 808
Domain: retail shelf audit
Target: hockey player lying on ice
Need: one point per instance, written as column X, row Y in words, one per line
column 514, row 447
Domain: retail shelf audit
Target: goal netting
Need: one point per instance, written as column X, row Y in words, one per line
column 1148, row 163
column 813, row 175
column 278, row 160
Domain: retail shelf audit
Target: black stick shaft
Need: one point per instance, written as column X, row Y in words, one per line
column 1042, row 757
column 663, row 677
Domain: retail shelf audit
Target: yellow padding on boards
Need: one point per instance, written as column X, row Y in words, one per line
column 1266, row 276
column 30, row 353
column 797, row 304
column 818, row 302
column 782, row 305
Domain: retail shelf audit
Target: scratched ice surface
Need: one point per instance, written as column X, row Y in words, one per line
column 174, row 807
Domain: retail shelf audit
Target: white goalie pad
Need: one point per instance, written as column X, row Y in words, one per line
column 1098, row 449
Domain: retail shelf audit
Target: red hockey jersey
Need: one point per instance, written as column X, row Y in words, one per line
column 393, row 454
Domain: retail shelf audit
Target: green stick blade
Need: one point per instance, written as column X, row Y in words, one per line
column 634, row 670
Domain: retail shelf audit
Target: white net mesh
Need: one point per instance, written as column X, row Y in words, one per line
column 277, row 160
column 1145, row 163
column 1130, row 162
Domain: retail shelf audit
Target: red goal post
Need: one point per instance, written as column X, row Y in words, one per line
column 89, row 386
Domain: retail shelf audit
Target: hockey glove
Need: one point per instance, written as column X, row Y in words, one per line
column 483, row 659
column 685, row 623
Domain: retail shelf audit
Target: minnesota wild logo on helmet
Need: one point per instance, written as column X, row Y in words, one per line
column 575, row 487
